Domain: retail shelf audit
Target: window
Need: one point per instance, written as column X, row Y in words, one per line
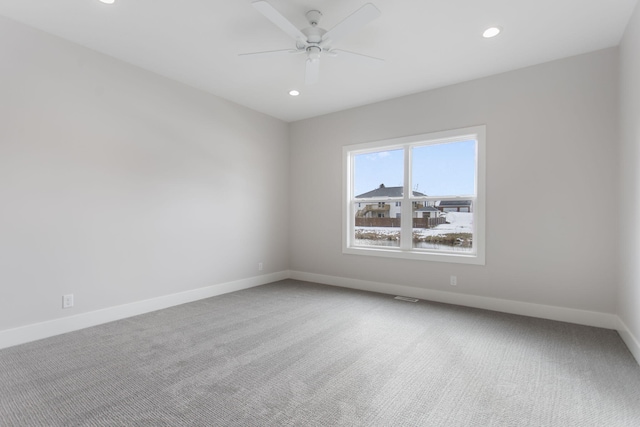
column 418, row 197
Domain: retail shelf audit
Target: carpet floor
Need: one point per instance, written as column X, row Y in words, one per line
column 299, row 354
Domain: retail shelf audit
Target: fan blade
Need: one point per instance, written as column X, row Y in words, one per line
column 280, row 21
column 353, row 22
column 312, row 72
column 357, row 56
column 272, row 52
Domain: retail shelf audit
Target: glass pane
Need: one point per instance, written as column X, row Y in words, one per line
column 443, row 225
column 377, row 224
column 379, row 174
column 444, row 169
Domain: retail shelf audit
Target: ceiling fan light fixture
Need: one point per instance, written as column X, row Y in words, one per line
column 294, row 92
column 491, row 32
column 314, row 52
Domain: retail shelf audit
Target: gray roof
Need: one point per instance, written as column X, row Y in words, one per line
column 383, row 191
column 455, row 203
column 427, row 209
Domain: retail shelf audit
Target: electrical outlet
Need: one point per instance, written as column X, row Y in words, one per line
column 453, row 281
column 67, row 301
column 260, row 266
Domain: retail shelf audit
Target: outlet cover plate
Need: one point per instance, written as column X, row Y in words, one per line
column 67, row 301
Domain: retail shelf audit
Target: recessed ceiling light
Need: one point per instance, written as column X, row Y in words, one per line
column 491, row 32
column 108, row 1
column 294, row 92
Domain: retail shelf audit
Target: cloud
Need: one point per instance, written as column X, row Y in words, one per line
column 380, row 155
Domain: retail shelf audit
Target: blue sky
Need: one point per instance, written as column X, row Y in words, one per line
column 438, row 170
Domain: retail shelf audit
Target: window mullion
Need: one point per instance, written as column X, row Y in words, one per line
column 406, row 230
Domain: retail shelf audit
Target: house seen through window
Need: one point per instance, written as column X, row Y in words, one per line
column 419, row 197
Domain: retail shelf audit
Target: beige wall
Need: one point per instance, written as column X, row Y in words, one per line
column 552, row 153
column 118, row 185
column 629, row 293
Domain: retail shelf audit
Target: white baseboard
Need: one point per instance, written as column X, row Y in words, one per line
column 27, row 333
column 36, row 331
column 570, row 315
column 630, row 340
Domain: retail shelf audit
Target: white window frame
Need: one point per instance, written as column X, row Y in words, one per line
column 406, row 251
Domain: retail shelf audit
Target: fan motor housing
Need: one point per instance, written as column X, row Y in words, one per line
column 314, row 34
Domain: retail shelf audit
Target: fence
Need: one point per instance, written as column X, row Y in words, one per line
column 395, row 222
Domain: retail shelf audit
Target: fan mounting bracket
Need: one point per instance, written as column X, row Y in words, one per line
column 313, row 16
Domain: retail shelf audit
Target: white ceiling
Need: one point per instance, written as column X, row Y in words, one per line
column 425, row 43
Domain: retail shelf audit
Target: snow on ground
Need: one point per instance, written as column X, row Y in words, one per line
column 459, row 218
column 380, row 230
column 458, row 222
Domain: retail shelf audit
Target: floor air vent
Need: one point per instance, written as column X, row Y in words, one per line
column 407, row 299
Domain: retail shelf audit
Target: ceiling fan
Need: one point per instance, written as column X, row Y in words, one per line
column 315, row 41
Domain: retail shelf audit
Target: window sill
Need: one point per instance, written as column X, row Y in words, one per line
column 475, row 259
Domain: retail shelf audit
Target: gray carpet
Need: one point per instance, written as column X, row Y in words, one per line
column 294, row 353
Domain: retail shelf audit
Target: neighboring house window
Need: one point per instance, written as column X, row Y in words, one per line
column 443, row 222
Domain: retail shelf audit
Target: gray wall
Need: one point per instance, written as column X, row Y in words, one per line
column 552, row 183
column 118, row 185
column 629, row 293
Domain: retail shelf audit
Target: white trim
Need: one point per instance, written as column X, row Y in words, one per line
column 571, row 315
column 630, row 340
column 33, row 332
column 405, row 251
column 390, row 252
column 36, row 331
column 406, row 223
